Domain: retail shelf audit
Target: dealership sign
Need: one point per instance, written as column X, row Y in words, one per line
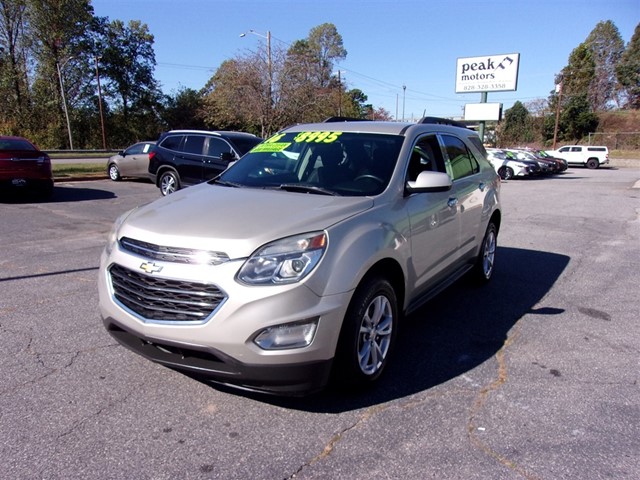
column 493, row 73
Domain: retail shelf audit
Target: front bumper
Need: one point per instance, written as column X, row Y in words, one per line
column 221, row 347
column 217, row 367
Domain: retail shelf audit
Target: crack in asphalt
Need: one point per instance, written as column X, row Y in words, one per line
column 40, row 360
column 329, row 447
column 483, row 395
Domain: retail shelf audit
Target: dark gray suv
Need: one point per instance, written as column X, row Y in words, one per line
column 186, row 157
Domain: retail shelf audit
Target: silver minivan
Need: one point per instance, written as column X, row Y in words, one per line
column 296, row 265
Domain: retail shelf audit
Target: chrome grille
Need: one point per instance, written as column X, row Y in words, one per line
column 173, row 254
column 160, row 299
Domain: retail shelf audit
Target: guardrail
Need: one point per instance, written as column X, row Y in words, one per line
column 82, row 152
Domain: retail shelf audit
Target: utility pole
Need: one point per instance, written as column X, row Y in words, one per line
column 339, row 94
column 64, row 102
column 555, row 129
column 404, row 91
column 104, row 137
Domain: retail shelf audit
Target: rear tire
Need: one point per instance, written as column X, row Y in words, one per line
column 484, row 266
column 506, row 173
column 368, row 334
column 593, row 163
column 168, row 183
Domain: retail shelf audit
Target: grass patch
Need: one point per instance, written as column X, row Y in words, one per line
column 626, row 154
column 84, row 154
column 70, row 169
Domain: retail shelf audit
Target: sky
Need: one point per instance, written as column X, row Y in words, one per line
column 401, row 53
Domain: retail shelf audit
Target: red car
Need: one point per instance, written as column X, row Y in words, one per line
column 24, row 167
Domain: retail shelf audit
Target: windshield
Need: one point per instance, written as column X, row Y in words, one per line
column 322, row 162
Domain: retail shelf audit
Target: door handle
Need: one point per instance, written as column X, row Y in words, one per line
column 452, row 202
column 482, row 186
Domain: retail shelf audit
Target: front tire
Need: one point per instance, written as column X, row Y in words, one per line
column 168, row 183
column 368, row 334
column 114, row 173
column 506, row 173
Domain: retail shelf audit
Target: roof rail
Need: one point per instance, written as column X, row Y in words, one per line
column 442, row 121
column 344, row 119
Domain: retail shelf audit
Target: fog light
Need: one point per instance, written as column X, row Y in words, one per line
column 290, row 335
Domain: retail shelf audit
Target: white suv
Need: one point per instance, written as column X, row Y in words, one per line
column 588, row 156
column 299, row 261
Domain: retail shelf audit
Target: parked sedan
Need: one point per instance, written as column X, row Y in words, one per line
column 561, row 162
column 132, row 162
column 546, row 165
column 508, row 167
column 23, row 167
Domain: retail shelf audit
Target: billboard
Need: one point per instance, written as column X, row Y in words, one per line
column 491, row 73
column 483, row 111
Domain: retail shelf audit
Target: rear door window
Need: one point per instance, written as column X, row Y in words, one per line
column 460, row 162
column 194, row 144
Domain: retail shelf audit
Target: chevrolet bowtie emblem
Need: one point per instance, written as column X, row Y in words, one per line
column 151, row 267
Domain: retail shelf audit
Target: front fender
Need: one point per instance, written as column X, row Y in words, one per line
column 357, row 244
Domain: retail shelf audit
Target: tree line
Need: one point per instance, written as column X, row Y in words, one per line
column 71, row 79
column 602, row 74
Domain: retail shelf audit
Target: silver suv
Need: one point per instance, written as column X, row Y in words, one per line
column 296, row 265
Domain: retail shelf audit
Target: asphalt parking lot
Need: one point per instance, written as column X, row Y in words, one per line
column 534, row 376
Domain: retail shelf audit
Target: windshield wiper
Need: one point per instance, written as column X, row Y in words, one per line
column 224, row 183
column 302, row 188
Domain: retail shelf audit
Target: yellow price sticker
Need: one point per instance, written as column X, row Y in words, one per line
column 317, row 137
column 275, row 138
column 270, row 147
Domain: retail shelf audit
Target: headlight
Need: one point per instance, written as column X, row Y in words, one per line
column 284, row 261
column 112, row 238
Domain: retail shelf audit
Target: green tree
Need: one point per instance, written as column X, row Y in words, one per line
column 234, row 97
column 184, row 109
column 325, row 45
column 517, row 126
column 574, row 82
column 58, row 30
column 577, row 119
column 356, row 106
column 606, row 46
column 296, row 85
column 14, row 84
column 628, row 70
column 579, row 73
column 127, row 63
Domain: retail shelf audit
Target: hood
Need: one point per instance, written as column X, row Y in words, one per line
column 235, row 221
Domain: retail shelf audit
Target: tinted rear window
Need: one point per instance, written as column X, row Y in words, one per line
column 16, row 144
column 244, row 144
column 597, row 149
column 194, row 144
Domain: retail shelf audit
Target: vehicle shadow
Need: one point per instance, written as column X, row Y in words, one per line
column 460, row 329
column 60, row 195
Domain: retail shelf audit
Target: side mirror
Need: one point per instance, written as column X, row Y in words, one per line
column 429, row 181
column 228, row 156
